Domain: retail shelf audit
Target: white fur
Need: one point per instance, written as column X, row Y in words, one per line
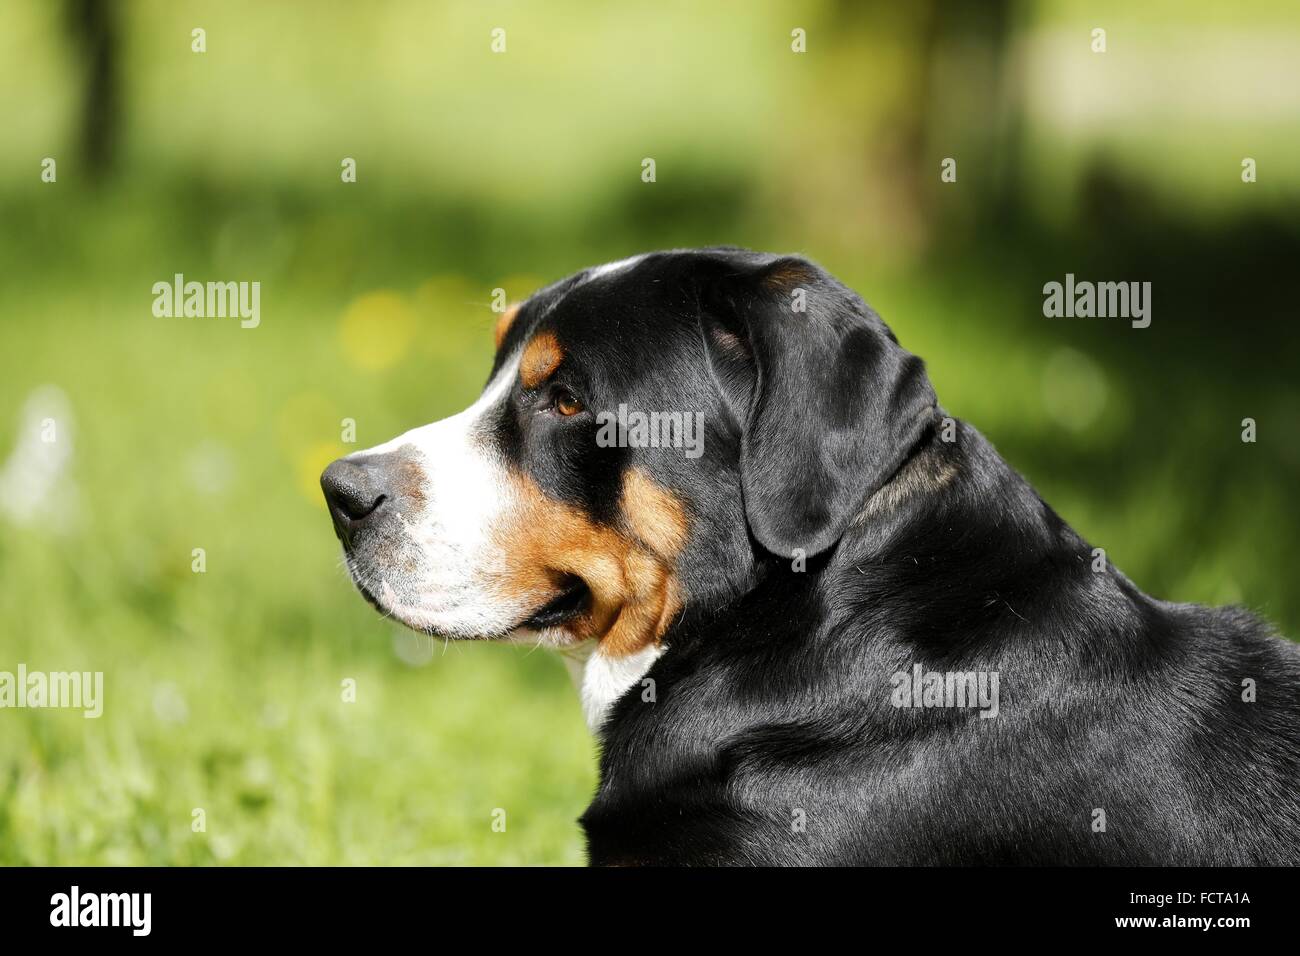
column 449, row 590
column 606, row 679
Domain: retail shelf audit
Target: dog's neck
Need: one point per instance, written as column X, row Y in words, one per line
column 929, row 468
column 601, row 679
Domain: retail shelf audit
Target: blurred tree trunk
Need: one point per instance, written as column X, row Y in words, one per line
column 95, row 34
column 967, row 105
column 960, row 97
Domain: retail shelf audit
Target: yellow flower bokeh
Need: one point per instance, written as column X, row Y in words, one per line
column 305, row 419
column 377, row 330
column 309, row 429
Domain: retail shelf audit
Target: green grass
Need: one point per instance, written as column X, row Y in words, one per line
column 223, row 688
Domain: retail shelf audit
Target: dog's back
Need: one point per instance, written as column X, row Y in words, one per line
column 1128, row 730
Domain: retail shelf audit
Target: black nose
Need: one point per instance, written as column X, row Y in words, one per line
column 355, row 491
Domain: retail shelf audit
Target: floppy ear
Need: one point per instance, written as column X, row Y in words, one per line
column 834, row 404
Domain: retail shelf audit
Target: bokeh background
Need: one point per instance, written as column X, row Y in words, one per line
column 479, row 170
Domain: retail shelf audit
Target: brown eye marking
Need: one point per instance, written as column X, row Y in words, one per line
column 504, row 323
column 566, row 403
column 541, row 357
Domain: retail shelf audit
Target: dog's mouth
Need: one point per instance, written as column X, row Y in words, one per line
column 574, row 598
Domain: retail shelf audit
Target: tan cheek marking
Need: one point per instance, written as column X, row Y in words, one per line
column 630, row 571
column 653, row 514
column 503, row 324
column 541, row 357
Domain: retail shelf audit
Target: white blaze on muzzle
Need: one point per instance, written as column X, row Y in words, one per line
column 430, row 563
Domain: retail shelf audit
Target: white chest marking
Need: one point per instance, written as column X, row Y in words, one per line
column 602, row 680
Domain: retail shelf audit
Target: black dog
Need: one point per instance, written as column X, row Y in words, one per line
column 825, row 623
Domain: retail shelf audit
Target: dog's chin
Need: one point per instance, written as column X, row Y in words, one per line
column 557, row 638
column 546, row 625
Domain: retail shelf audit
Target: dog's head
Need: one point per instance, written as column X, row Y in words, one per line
column 649, row 429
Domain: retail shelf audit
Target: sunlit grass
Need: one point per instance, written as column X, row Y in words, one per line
column 224, row 688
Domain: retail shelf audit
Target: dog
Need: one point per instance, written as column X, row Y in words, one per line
column 846, row 631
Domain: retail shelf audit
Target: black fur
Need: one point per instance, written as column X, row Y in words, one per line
column 772, row 705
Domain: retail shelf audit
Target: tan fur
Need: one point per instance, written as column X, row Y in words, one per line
column 503, row 324
column 629, row 570
column 410, row 479
column 541, row 357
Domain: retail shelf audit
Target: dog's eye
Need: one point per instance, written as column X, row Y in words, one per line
column 566, row 403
